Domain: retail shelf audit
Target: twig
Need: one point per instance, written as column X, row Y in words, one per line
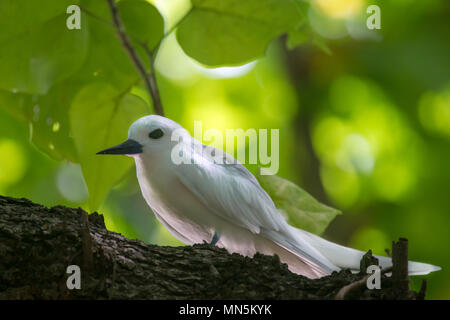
column 346, row 290
column 93, row 15
column 149, row 78
column 423, row 289
column 367, row 260
column 152, row 76
column 400, row 265
column 399, row 273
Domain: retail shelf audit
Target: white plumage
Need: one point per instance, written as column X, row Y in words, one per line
column 197, row 199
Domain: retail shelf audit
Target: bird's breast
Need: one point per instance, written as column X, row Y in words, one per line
column 173, row 204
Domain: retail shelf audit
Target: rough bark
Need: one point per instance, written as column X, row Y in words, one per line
column 37, row 244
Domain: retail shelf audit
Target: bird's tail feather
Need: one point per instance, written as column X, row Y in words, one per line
column 344, row 257
column 303, row 250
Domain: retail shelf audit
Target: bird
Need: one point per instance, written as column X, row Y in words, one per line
column 202, row 194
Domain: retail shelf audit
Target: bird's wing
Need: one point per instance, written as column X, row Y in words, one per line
column 232, row 193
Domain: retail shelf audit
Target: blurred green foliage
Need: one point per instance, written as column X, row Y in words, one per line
column 364, row 115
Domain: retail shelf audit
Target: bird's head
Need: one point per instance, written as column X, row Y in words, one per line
column 149, row 135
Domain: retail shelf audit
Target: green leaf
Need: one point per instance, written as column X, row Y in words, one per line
column 16, row 104
column 48, row 118
column 321, row 44
column 230, row 32
column 306, row 35
column 297, row 38
column 38, row 49
column 100, row 116
column 107, row 61
column 302, row 210
column 50, row 122
column 49, row 114
column 142, row 21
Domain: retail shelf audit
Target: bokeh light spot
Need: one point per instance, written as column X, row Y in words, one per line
column 325, row 26
column 71, row 184
column 393, row 179
column 370, row 238
column 226, row 72
column 355, row 154
column 342, row 186
column 339, row 8
column 56, row 126
column 365, row 143
column 13, row 162
column 434, row 111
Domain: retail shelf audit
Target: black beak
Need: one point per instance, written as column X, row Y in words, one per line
column 128, row 147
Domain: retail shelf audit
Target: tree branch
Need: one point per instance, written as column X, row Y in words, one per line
column 149, row 78
column 37, row 244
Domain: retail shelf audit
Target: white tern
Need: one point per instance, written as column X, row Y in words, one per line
column 222, row 203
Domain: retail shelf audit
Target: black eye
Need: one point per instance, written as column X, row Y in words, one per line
column 156, row 134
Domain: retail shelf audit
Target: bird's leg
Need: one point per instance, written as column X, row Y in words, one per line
column 215, row 238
